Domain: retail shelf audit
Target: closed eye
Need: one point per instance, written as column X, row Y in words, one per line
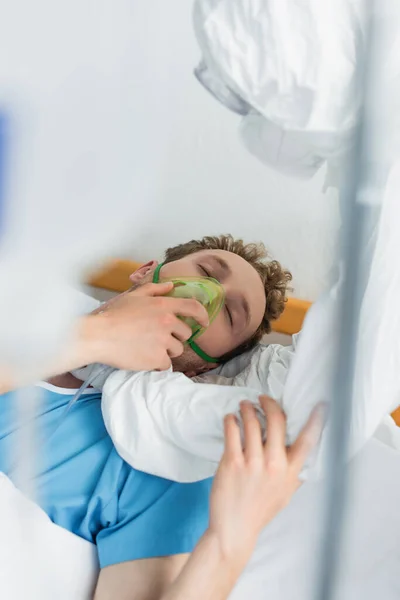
column 226, row 308
column 206, row 273
column 229, row 314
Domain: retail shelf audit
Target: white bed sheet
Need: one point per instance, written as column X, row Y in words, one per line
column 39, row 560
column 284, row 564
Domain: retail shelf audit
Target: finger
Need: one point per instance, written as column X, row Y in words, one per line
column 153, row 289
column 185, row 307
column 105, row 306
column 233, row 442
column 100, row 310
column 307, row 440
column 253, row 445
column 175, row 348
column 181, row 330
column 164, row 363
column 275, row 446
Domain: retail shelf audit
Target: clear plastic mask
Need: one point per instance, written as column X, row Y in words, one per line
column 206, row 290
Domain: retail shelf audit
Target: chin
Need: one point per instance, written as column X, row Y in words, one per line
column 189, row 363
column 177, row 365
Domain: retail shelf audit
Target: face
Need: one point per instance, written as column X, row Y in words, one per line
column 244, row 306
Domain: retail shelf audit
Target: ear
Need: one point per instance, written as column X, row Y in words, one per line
column 143, row 272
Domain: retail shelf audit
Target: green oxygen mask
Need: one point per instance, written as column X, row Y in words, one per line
column 206, row 290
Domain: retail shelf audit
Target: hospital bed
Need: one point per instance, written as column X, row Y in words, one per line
column 56, row 563
column 60, row 564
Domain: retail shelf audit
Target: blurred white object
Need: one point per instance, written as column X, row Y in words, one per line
column 376, row 390
column 291, row 69
column 38, row 559
column 86, row 144
column 367, row 290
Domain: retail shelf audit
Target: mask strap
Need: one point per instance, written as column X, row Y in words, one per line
column 156, row 274
column 202, row 354
column 193, row 345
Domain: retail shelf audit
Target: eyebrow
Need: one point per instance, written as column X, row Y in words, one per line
column 223, row 264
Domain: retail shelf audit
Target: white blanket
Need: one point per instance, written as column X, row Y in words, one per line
column 39, row 560
column 286, row 559
column 171, row 426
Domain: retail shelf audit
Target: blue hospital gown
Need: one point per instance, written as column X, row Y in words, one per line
column 85, row 487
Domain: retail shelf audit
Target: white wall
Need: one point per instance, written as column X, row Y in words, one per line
column 214, row 186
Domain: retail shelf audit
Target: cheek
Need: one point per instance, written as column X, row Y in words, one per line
column 216, row 340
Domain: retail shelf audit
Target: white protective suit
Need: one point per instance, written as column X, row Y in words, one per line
column 289, row 68
column 293, row 70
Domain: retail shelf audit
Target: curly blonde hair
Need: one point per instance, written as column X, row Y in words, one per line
column 274, row 277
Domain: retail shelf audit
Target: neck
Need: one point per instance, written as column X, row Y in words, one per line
column 66, row 380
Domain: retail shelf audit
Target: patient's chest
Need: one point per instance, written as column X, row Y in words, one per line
column 77, row 470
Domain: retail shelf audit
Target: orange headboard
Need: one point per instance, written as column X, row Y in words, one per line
column 115, row 278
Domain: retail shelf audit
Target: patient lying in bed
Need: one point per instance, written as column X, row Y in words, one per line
column 85, row 486
column 170, row 424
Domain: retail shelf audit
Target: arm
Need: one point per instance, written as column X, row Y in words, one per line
column 138, row 330
column 153, row 578
column 146, row 579
column 208, row 573
column 250, row 488
column 183, row 420
column 88, row 341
